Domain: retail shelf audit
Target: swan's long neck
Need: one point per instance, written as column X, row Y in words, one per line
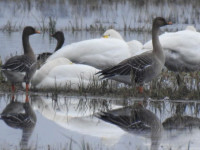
column 59, row 44
column 157, row 48
column 26, row 45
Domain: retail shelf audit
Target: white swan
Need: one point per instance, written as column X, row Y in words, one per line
column 134, row 45
column 192, row 28
column 182, row 49
column 60, row 73
column 100, row 53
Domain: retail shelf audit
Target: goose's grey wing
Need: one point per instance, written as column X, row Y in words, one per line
column 19, row 64
column 138, row 66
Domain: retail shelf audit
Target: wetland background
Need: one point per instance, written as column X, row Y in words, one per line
column 87, row 19
column 71, row 118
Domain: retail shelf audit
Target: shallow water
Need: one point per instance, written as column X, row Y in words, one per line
column 69, row 122
column 77, row 14
column 12, row 42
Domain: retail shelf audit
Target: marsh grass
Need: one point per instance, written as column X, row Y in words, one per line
column 11, row 27
column 52, row 25
column 84, row 146
column 123, row 15
column 164, row 86
column 4, row 86
column 46, row 24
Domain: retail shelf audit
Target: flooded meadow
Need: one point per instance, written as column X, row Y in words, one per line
column 106, row 115
column 71, row 122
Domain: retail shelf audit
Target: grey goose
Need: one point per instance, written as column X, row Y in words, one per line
column 21, row 68
column 140, row 68
column 59, row 36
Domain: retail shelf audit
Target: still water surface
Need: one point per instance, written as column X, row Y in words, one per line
column 81, row 15
column 70, row 122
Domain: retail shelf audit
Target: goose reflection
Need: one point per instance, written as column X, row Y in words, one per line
column 136, row 119
column 20, row 116
column 180, row 121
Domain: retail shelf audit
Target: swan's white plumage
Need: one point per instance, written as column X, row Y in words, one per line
column 134, row 45
column 60, row 72
column 46, row 68
column 192, row 28
column 111, row 33
column 182, row 49
column 99, row 53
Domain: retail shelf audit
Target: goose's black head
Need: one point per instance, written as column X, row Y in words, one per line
column 159, row 22
column 28, row 30
column 58, row 35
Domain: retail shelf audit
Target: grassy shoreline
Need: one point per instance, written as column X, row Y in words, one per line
column 165, row 86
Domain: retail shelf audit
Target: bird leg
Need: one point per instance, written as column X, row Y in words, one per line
column 13, row 88
column 140, row 89
column 27, row 99
column 13, row 97
column 27, row 87
column 13, row 92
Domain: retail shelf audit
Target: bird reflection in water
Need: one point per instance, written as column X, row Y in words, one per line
column 138, row 120
column 180, row 121
column 20, row 116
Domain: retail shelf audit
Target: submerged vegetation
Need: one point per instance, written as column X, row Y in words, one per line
column 86, row 107
column 165, row 86
column 97, row 15
column 82, row 105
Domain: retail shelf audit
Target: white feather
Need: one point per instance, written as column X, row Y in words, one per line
column 61, row 72
column 182, row 47
column 134, row 45
column 99, row 53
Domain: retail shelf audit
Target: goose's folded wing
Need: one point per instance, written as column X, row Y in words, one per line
column 44, row 55
column 19, row 64
column 18, row 120
column 121, row 121
column 126, row 122
column 137, row 65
